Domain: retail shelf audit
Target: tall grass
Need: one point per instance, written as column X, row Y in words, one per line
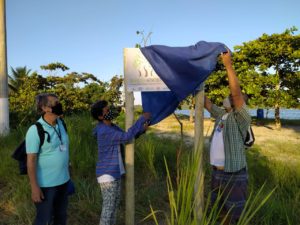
column 14, row 190
column 146, row 154
column 284, row 206
column 182, row 205
column 155, row 183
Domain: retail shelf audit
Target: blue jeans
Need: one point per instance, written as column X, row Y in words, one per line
column 53, row 208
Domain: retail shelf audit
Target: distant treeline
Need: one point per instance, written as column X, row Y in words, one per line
column 76, row 91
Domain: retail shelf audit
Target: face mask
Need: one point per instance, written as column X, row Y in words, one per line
column 57, row 109
column 227, row 103
column 109, row 115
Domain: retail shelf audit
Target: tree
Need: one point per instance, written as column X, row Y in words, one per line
column 55, row 66
column 252, row 83
column 21, row 101
column 189, row 102
column 76, row 91
column 113, row 93
column 216, row 86
column 17, row 77
column 276, row 58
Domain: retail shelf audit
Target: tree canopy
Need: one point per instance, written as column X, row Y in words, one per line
column 268, row 70
column 76, row 91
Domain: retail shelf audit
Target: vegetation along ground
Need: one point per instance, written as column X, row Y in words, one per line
column 274, row 160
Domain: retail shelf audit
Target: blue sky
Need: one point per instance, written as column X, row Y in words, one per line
column 89, row 35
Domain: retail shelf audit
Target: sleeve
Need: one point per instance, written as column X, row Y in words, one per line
column 217, row 112
column 114, row 137
column 32, row 140
column 243, row 119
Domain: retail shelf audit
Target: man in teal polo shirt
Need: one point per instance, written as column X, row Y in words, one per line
column 227, row 150
column 48, row 166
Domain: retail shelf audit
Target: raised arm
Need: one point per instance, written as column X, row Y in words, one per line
column 234, row 85
column 114, row 137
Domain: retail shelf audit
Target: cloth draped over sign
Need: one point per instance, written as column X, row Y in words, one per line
column 182, row 69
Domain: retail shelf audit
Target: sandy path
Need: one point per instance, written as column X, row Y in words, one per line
column 169, row 127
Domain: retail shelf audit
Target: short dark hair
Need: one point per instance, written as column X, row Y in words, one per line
column 42, row 100
column 97, row 109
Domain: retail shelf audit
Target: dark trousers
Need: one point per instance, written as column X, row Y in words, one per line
column 232, row 190
column 53, row 208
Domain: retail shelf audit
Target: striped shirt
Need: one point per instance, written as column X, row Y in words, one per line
column 109, row 139
column 236, row 125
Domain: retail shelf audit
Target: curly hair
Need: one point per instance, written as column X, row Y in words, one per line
column 97, row 109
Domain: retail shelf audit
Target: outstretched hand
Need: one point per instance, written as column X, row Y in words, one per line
column 226, row 58
column 147, row 115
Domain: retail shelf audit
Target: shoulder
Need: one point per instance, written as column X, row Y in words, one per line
column 32, row 131
column 243, row 111
column 215, row 107
column 116, row 127
column 242, row 116
column 217, row 111
column 102, row 128
column 32, row 140
column 62, row 123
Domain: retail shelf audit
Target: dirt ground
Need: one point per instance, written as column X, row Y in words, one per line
column 170, row 127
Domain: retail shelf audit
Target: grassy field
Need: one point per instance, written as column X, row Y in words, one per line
column 274, row 161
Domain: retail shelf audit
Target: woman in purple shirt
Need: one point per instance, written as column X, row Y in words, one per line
column 109, row 167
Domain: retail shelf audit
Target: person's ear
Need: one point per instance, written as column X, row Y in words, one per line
column 100, row 117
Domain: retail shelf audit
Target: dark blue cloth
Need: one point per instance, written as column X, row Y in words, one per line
column 182, row 69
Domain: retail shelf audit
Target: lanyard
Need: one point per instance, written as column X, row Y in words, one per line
column 58, row 134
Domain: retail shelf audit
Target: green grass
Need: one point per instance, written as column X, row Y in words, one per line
column 281, row 173
column 271, row 121
column 153, row 182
